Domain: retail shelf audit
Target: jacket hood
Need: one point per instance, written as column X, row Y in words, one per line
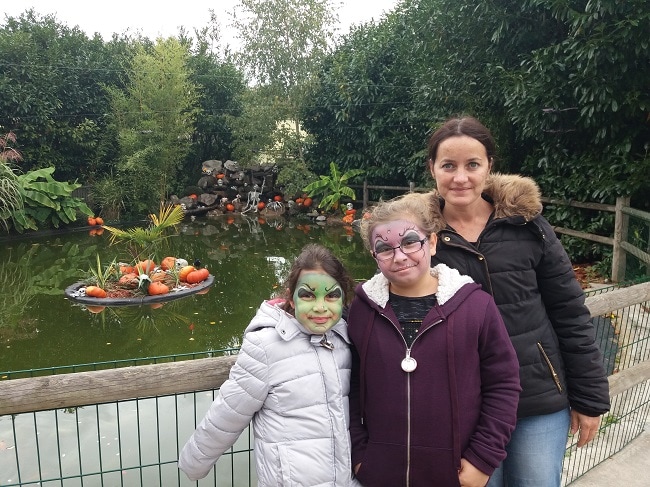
column 512, row 195
column 270, row 315
column 449, row 282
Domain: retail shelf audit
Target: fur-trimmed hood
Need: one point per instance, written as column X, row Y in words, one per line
column 513, row 195
column 449, row 282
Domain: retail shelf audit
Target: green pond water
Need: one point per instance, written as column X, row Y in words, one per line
column 41, row 328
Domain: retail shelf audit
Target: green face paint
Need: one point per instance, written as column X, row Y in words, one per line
column 318, row 301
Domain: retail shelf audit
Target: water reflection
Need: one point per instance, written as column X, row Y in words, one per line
column 248, row 257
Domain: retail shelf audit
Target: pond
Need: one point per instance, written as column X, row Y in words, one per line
column 249, row 257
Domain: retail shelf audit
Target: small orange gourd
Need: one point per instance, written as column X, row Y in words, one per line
column 99, row 220
column 261, row 205
column 95, row 292
column 197, row 275
column 182, row 275
column 156, row 288
column 307, row 202
column 168, row 263
column 145, row 266
column 92, row 221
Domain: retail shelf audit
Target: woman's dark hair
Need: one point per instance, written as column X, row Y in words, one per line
column 455, row 127
column 316, row 257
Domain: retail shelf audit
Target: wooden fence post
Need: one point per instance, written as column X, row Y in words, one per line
column 411, row 186
column 365, row 194
column 621, row 224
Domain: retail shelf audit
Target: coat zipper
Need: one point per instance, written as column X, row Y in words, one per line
column 474, row 251
column 556, row 378
column 408, row 396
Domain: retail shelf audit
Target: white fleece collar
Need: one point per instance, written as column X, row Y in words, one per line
column 449, row 282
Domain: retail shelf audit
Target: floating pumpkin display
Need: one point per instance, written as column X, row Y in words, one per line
column 95, row 292
column 182, row 275
column 197, row 275
column 307, row 202
column 156, row 288
column 158, row 276
column 168, row 263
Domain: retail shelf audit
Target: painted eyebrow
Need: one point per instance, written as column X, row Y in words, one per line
column 414, row 227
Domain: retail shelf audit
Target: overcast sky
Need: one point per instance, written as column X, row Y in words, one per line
column 159, row 18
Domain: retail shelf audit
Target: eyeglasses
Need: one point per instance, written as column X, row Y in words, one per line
column 406, row 247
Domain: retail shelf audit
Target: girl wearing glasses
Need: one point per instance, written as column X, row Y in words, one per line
column 435, row 381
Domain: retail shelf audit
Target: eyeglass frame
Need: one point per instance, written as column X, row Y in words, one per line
column 375, row 256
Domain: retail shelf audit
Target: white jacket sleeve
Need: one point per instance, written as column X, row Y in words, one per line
column 239, row 398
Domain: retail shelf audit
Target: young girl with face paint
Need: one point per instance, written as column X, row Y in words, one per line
column 435, row 383
column 292, row 380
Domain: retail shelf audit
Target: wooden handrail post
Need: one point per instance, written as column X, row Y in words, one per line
column 621, row 225
column 365, row 194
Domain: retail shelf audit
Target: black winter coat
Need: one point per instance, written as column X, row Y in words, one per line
column 520, row 261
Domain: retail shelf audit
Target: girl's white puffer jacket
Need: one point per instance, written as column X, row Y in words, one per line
column 295, row 390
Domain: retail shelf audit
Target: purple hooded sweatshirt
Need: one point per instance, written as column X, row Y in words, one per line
column 412, row 428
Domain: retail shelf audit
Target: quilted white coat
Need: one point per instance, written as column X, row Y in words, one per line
column 295, row 390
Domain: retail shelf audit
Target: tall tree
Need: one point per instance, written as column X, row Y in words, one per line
column 155, row 120
column 282, row 41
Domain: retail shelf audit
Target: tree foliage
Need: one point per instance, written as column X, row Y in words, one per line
column 154, row 118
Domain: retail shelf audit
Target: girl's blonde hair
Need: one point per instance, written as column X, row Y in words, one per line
column 420, row 207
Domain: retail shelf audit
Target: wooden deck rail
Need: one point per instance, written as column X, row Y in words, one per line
column 102, row 386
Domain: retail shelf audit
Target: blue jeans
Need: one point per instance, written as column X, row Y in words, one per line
column 535, row 452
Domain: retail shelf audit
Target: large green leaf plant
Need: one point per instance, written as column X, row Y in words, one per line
column 333, row 188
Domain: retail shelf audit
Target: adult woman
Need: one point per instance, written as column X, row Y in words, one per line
column 495, row 234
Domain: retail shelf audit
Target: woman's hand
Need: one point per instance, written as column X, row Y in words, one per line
column 356, row 468
column 470, row 476
column 587, row 426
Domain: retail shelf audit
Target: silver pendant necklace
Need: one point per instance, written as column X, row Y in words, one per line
column 409, row 364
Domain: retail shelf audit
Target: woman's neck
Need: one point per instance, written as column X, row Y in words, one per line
column 468, row 221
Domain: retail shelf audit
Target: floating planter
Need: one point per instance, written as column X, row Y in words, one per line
column 121, row 297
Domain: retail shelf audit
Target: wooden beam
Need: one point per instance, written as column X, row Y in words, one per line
column 101, row 386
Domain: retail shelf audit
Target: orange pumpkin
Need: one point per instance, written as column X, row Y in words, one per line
column 95, row 292
column 277, row 197
column 299, row 201
column 127, row 269
column 182, row 275
column 197, row 275
column 230, row 207
column 92, row 221
column 307, row 202
column 145, row 266
column 261, row 205
column 168, row 263
column 156, row 288
column 99, row 220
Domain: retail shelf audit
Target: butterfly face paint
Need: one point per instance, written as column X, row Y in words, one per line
column 318, row 301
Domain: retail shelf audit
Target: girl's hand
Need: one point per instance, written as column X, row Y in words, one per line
column 356, row 468
column 470, row 476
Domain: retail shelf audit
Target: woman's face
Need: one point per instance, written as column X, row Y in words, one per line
column 318, row 301
column 403, row 253
column 460, row 169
